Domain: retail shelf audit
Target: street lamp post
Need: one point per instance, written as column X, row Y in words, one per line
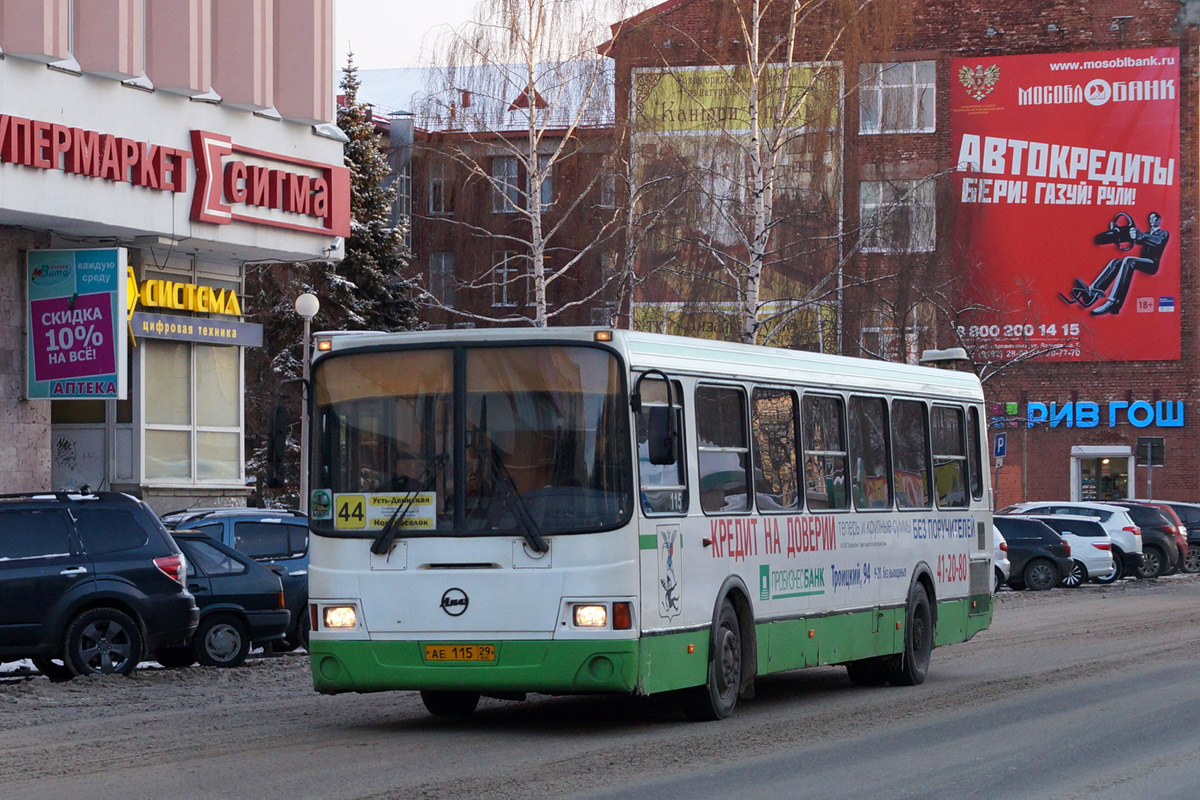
column 307, row 306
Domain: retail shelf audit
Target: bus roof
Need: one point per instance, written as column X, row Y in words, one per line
column 685, row 355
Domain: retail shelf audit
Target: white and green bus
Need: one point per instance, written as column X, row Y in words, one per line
column 581, row 510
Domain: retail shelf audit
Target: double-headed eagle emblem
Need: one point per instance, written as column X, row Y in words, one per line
column 979, row 81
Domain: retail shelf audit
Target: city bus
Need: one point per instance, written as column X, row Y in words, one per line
column 594, row 510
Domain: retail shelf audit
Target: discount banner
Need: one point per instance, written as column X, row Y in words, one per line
column 76, row 324
column 1067, row 220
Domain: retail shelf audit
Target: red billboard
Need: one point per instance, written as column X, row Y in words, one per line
column 1067, row 204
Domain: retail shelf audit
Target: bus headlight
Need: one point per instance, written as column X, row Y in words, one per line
column 591, row 616
column 340, row 617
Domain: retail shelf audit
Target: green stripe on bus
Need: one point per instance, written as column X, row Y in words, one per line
column 648, row 541
column 797, row 594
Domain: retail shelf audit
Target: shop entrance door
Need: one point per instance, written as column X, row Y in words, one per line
column 1102, row 479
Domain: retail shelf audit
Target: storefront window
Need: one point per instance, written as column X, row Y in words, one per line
column 168, row 379
column 193, row 428
column 1103, row 479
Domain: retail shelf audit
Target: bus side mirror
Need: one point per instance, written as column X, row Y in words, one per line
column 660, row 436
column 276, row 447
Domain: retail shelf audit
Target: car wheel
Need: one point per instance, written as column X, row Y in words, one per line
column 1118, row 570
column 1076, row 576
column 1040, row 575
column 867, row 672
column 221, row 641
column 175, row 657
column 54, row 669
column 718, row 696
column 102, row 641
column 450, row 704
column 999, row 581
column 297, row 636
column 1154, row 561
column 913, row 666
column 1192, row 562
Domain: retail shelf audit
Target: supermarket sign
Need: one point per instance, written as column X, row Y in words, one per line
column 232, row 183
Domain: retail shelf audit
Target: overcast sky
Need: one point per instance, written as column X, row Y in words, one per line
column 394, row 33
column 390, row 33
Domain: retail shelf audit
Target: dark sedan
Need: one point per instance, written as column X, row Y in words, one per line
column 1039, row 556
column 241, row 604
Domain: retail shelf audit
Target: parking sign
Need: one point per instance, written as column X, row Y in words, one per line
column 1000, row 445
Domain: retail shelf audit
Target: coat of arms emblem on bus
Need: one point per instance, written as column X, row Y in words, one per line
column 980, row 81
column 670, row 599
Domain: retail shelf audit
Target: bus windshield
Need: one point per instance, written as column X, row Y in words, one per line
column 472, row 440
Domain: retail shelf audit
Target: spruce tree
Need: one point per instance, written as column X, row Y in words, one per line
column 367, row 290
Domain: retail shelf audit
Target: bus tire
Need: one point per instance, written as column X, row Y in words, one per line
column 718, row 696
column 450, row 704
column 913, row 665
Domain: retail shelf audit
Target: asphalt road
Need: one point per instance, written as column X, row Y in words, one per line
column 1072, row 693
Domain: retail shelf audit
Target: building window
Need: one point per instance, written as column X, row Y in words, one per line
column 403, row 215
column 441, row 276
column 897, row 216
column 547, row 190
column 439, row 190
column 896, row 97
column 608, row 191
column 193, row 425
column 507, row 275
column 506, row 193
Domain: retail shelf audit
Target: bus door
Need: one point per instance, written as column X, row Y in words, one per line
column 662, row 498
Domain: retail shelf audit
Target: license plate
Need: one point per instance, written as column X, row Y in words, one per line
column 460, row 652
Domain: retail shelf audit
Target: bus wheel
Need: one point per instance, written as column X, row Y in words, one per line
column 450, row 704
column 867, row 672
column 918, row 641
column 717, row 698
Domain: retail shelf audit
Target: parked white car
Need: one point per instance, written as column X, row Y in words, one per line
column 1000, row 563
column 1126, row 536
column 1091, row 546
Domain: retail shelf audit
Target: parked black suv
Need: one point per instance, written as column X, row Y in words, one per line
column 1038, row 555
column 275, row 537
column 89, row 583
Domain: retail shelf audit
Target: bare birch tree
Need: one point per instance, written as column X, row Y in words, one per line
column 761, row 93
column 520, row 92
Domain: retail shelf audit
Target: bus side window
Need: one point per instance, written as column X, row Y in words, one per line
column 825, row 452
column 773, row 427
column 663, row 487
column 949, row 457
column 869, row 457
column 910, row 453
column 723, row 449
column 974, row 462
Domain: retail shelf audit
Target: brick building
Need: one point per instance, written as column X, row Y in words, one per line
column 461, row 180
column 919, row 87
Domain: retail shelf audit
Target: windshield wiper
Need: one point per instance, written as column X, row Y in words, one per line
column 513, row 499
column 391, row 529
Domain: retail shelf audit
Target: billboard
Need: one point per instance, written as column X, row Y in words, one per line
column 1067, row 195
column 76, row 324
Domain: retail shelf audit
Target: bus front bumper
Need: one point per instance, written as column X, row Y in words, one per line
column 550, row 666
